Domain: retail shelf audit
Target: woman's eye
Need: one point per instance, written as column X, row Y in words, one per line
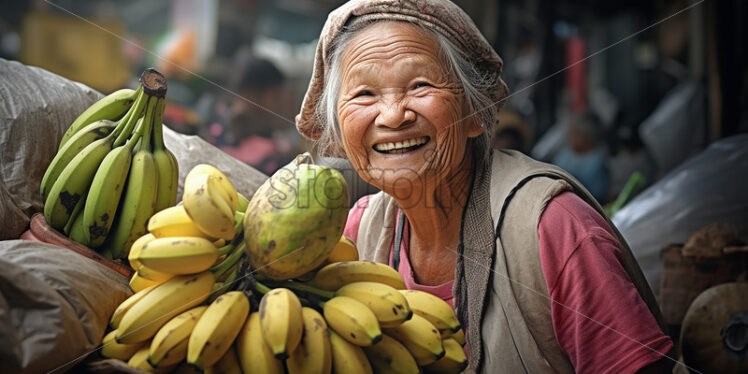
column 362, row 93
column 421, row 84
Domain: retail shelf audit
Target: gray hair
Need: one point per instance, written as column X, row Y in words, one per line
column 475, row 84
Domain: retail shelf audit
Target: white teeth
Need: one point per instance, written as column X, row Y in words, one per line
column 400, row 146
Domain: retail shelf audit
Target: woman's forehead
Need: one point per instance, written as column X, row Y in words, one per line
column 388, row 39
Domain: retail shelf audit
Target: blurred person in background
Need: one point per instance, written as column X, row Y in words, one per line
column 252, row 127
column 512, row 132
column 584, row 156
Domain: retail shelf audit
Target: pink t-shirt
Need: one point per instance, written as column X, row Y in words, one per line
column 599, row 319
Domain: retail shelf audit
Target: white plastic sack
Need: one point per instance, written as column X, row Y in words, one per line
column 710, row 188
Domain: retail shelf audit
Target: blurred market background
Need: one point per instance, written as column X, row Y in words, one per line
column 663, row 79
column 646, row 102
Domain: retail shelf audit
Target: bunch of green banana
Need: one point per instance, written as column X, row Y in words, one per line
column 107, row 177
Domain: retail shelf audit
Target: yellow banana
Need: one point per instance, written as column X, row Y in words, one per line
column 226, row 189
column 228, row 364
column 174, row 221
column 216, row 330
column 125, row 306
column 352, row 320
column 179, row 254
column 421, row 338
column 314, row 354
column 344, row 250
column 254, row 354
column 140, row 361
column 282, row 321
column 205, row 202
column 335, row 275
column 132, row 257
column 110, row 107
column 347, row 358
column 433, row 308
column 138, row 283
column 169, row 345
column 459, row 336
column 166, row 163
column 389, row 356
column 110, row 348
column 153, row 275
column 92, row 132
column 454, row 360
column 388, row 305
column 138, row 202
column 162, row 303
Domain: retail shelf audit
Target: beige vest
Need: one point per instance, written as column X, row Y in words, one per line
column 508, row 307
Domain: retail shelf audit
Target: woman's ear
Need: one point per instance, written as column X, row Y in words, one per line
column 474, row 128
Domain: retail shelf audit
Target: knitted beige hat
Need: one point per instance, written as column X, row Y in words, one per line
column 442, row 16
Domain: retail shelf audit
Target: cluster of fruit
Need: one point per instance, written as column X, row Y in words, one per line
column 112, row 170
column 203, row 232
column 353, row 317
column 185, row 266
column 350, row 317
column 306, row 304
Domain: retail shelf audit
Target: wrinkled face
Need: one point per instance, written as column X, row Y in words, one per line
column 402, row 114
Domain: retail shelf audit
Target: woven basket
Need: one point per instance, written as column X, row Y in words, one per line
column 684, row 278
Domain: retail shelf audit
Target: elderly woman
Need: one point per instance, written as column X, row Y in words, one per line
column 541, row 280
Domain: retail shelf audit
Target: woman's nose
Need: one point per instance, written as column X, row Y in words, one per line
column 394, row 113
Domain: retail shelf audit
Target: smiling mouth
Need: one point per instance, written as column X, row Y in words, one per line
column 401, row 147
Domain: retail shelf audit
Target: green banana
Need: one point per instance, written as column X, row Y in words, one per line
column 75, row 179
column 74, row 228
column 110, row 107
column 166, row 162
column 90, row 133
column 138, row 204
column 74, row 182
column 105, row 192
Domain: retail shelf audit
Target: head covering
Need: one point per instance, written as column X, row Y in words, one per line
column 441, row 16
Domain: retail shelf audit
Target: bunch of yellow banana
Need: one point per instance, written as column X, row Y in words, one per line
column 181, row 310
column 373, row 323
column 175, row 244
column 109, row 177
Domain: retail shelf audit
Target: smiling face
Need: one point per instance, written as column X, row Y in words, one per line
column 401, row 113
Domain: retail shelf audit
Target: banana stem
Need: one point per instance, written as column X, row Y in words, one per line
column 238, row 223
column 228, row 262
column 232, row 276
column 148, row 123
column 158, row 131
column 126, row 124
column 225, row 249
column 227, row 284
column 261, row 288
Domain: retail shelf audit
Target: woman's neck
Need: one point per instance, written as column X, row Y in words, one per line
column 435, row 219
